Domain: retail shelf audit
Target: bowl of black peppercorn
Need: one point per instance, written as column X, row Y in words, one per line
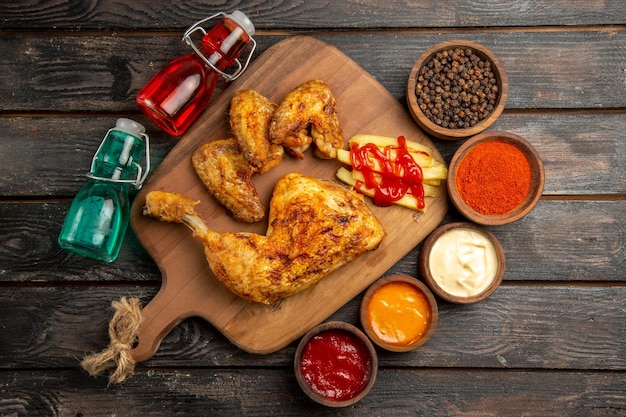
column 457, row 89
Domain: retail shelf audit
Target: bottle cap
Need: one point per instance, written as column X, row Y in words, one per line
column 130, row 126
column 243, row 21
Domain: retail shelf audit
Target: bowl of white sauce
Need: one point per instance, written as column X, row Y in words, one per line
column 462, row 263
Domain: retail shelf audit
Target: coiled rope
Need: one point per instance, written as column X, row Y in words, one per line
column 123, row 335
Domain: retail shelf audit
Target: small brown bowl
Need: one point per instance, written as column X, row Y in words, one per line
column 426, row 265
column 537, row 177
column 374, row 332
column 447, row 133
column 313, row 340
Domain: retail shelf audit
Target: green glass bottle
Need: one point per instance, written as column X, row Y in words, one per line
column 98, row 217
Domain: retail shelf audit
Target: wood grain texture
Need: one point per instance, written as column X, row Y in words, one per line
column 582, row 153
column 30, row 252
column 104, row 73
column 202, row 392
column 568, row 240
column 521, row 327
column 557, row 235
column 291, row 14
column 68, row 143
column 550, row 342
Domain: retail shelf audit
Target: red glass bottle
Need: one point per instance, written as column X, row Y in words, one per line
column 175, row 97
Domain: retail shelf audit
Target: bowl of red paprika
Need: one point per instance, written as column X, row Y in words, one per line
column 495, row 178
column 335, row 364
column 457, row 89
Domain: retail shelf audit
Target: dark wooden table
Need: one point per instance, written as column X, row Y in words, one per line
column 550, row 342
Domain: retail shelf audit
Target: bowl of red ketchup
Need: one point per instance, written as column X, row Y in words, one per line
column 335, row 364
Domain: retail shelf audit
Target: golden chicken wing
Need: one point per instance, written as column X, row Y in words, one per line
column 274, row 158
column 250, row 116
column 227, row 176
column 308, row 114
column 315, row 227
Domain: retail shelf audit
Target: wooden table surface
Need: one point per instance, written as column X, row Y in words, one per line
column 550, row 342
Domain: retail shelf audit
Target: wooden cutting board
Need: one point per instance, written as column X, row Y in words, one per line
column 189, row 288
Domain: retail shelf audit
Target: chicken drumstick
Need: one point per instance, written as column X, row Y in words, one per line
column 314, row 228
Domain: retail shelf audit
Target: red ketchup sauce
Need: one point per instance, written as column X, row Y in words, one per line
column 397, row 177
column 336, row 364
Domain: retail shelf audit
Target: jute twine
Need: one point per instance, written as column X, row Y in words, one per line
column 123, row 334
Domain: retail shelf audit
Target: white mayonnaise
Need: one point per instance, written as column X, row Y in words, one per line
column 463, row 262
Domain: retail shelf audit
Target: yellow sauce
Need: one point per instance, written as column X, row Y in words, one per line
column 463, row 262
column 398, row 313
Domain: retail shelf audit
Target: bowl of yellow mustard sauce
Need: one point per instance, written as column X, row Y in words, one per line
column 399, row 313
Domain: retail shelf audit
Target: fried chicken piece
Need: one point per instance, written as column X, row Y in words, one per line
column 227, row 176
column 250, row 116
column 305, row 115
column 315, row 227
column 274, row 158
column 169, row 207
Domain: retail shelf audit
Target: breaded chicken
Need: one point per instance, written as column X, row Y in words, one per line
column 315, row 227
column 305, row 115
column 274, row 158
column 250, row 116
column 227, row 176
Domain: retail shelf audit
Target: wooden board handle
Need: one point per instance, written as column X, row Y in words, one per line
column 160, row 316
column 188, row 289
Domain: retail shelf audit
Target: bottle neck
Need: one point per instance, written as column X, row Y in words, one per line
column 223, row 44
column 118, row 158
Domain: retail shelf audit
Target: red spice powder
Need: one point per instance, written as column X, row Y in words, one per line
column 493, row 178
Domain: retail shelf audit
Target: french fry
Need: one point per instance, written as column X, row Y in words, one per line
column 383, row 141
column 421, row 159
column 429, row 190
column 345, row 175
column 408, row 200
column 433, row 171
column 343, row 156
column 436, row 171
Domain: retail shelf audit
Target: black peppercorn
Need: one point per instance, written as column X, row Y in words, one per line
column 457, row 87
